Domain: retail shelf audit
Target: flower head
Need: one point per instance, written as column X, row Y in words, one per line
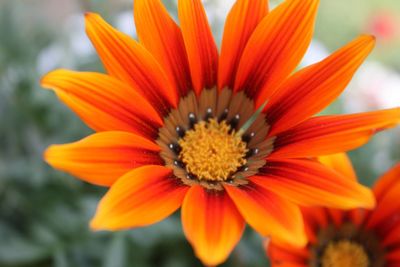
column 179, row 125
column 354, row 238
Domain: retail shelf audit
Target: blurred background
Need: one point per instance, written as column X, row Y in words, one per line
column 44, row 213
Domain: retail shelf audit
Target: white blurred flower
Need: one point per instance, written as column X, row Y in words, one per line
column 375, row 86
column 217, row 12
column 78, row 40
column 315, row 53
column 74, row 47
column 49, row 58
column 124, row 23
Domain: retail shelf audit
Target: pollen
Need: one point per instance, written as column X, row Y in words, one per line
column 212, row 151
column 345, row 253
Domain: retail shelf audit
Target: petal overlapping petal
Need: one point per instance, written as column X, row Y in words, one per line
column 393, row 257
column 163, row 38
column 391, row 231
column 141, row 197
column 312, row 89
column 310, row 183
column 130, row 62
column 341, row 163
column 275, row 48
column 103, row 157
column 387, row 192
column 242, row 19
column 199, row 42
column 211, row 223
column 269, row 214
column 103, row 102
column 387, row 181
column 287, row 256
column 331, row 134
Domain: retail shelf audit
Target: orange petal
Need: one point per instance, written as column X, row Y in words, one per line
column 285, row 255
column 240, row 24
column 211, row 223
column 341, row 163
column 390, row 237
column 387, row 181
column 288, row 264
column 199, row 42
column 392, row 257
column 130, row 62
column 336, row 216
column 385, row 217
column 356, row 216
column 310, row 183
column 276, row 48
column 104, row 103
column 103, row 157
column 315, row 218
column 162, row 37
column 325, row 135
column 269, row 214
column 387, row 191
column 141, row 197
column 312, row 89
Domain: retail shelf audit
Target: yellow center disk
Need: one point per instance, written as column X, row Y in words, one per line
column 345, row 254
column 211, row 151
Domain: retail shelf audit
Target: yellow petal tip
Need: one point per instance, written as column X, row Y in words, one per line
column 48, row 79
column 90, row 14
column 46, row 154
column 370, row 202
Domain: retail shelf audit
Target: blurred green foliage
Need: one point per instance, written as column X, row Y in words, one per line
column 44, row 213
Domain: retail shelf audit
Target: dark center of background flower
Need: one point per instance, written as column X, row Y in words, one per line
column 344, row 253
column 347, row 245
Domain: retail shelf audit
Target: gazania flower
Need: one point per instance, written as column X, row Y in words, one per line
column 355, row 238
column 177, row 124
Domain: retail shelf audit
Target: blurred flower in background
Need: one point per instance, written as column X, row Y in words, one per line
column 44, row 214
column 353, row 238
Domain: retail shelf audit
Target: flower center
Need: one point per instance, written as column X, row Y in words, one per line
column 207, row 140
column 212, row 150
column 346, row 245
column 345, row 253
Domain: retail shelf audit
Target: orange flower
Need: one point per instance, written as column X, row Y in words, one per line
column 355, row 238
column 173, row 122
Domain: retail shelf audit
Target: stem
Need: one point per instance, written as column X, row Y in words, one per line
column 251, row 120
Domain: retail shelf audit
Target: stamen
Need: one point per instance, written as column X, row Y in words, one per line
column 180, row 131
column 192, row 119
column 208, row 114
column 252, row 152
column 246, row 138
column 179, row 164
column 243, row 168
column 234, row 121
column 224, row 115
column 190, row 176
column 175, row 148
